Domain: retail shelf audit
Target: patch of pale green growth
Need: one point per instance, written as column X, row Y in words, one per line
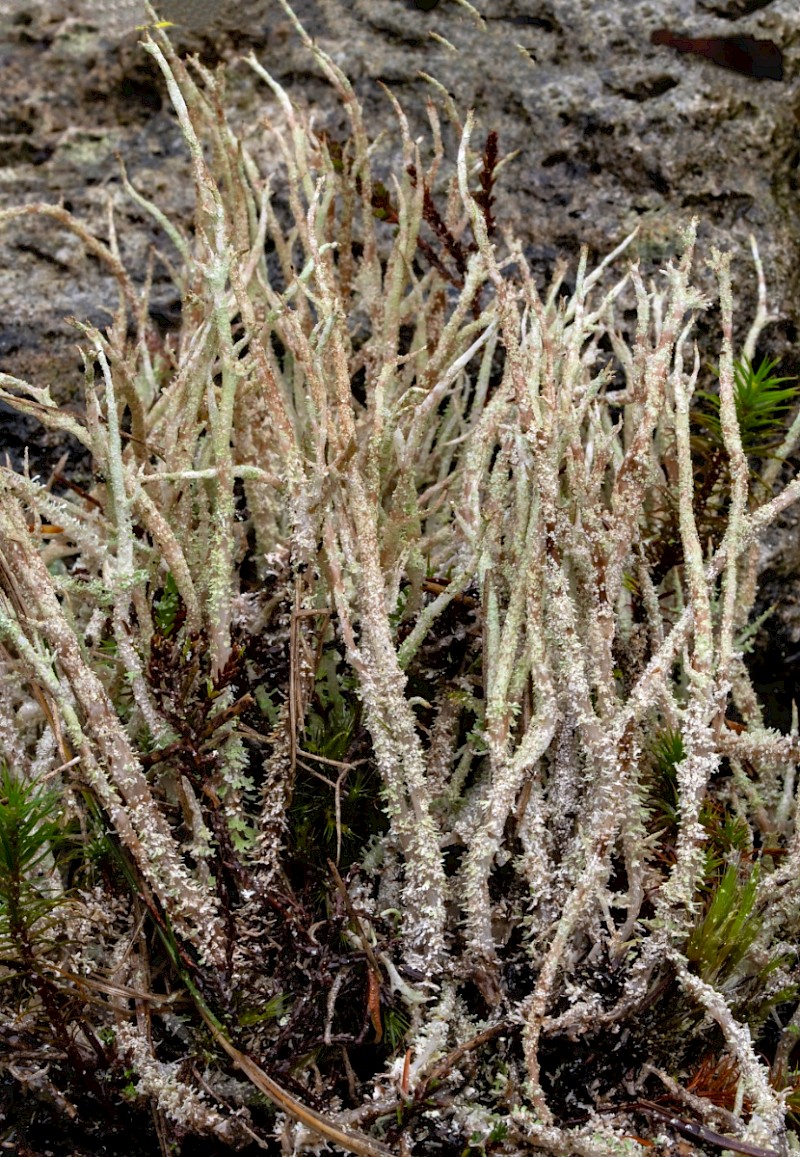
column 489, row 448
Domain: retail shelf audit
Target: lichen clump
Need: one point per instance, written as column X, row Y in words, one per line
column 388, row 688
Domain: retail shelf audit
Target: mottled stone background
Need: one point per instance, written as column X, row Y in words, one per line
column 611, row 131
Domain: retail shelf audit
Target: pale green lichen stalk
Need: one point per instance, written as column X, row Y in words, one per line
column 378, row 453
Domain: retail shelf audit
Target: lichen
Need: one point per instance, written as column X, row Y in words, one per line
column 376, row 456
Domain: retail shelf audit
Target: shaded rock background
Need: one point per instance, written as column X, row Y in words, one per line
column 612, row 133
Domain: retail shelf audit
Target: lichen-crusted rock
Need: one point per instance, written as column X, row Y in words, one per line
column 116, row 17
column 611, row 130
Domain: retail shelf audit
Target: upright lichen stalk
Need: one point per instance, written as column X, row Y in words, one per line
column 374, row 435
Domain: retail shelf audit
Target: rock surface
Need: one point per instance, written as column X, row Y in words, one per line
column 611, row 131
